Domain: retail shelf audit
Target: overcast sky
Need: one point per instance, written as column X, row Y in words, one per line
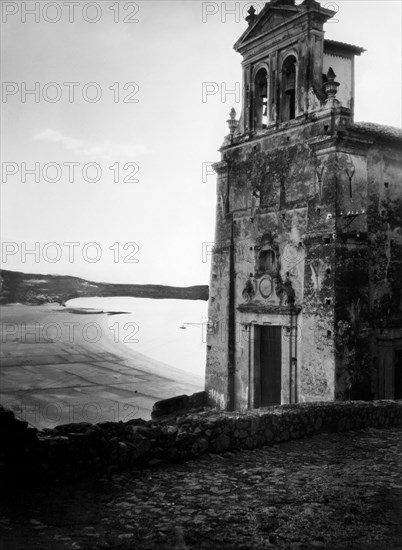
column 158, row 123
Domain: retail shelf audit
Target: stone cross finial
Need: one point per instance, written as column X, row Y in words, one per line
column 251, row 16
column 331, row 88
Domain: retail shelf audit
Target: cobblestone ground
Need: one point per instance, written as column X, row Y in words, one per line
column 337, row 491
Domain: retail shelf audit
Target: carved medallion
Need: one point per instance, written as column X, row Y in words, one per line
column 265, row 287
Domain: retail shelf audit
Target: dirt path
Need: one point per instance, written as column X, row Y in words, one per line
column 338, row 491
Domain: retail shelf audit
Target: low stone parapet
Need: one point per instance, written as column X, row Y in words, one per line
column 75, row 450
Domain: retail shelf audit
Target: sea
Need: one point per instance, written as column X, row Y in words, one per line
column 168, row 330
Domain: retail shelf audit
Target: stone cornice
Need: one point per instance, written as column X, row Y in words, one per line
column 283, row 127
column 256, row 307
column 341, row 140
column 355, row 143
column 220, row 167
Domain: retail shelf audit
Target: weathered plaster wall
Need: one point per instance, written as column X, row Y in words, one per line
column 317, row 377
column 385, row 227
column 217, row 335
column 385, row 263
column 217, row 332
column 368, row 274
column 328, row 206
column 275, row 201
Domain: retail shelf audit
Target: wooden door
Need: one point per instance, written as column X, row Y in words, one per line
column 398, row 375
column 270, row 365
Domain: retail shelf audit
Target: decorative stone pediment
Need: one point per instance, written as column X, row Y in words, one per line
column 277, row 14
column 268, row 19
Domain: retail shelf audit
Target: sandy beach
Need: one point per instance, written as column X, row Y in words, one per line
column 61, row 365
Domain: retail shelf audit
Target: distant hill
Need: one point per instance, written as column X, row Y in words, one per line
column 30, row 288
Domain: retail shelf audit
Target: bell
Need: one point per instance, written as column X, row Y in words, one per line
column 265, row 104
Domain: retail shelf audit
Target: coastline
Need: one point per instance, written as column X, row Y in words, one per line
column 61, row 365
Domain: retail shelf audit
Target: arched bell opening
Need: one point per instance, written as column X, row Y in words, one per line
column 288, row 93
column 261, row 99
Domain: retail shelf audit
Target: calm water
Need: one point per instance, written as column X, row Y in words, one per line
column 152, row 327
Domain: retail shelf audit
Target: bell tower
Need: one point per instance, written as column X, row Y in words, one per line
column 284, row 59
column 292, row 301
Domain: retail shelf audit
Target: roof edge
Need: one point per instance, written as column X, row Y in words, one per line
column 381, row 131
column 357, row 50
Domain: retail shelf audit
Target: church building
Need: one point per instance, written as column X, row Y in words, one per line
column 306, row 277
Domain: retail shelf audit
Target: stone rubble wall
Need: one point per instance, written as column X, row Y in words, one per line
column 179, row 403
column 73, row 451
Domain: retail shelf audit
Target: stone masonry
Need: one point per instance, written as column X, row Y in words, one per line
column 82, row 450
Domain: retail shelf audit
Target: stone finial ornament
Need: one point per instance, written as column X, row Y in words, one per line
column 251, row 16
column 282, row 2
column 310, row 3
column 331, row 88
column 232, row 123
